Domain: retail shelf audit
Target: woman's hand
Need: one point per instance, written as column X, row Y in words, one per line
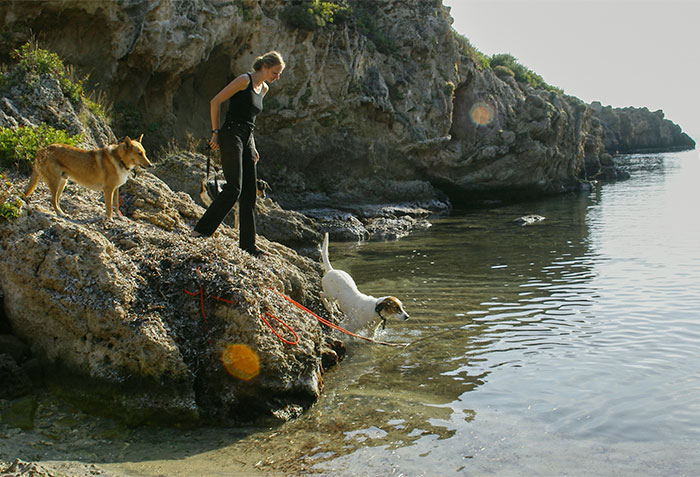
column 256, row 154
column 214, row 142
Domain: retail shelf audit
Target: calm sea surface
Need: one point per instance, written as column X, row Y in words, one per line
column 571, row 346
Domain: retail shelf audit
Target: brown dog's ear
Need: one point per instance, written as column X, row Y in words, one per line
column 127, row 141
column 140, row 137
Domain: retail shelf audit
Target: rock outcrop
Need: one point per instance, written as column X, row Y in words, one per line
column 42, row 101
column 638, row 130
column 105, row 308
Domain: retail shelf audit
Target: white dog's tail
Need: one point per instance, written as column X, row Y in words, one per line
column 324, row 254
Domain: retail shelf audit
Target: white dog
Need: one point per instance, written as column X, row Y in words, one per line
column 361, row 310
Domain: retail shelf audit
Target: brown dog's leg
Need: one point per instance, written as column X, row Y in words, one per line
column 56, row 185
column 109, row 194
column 116, row 201
column 36, row 174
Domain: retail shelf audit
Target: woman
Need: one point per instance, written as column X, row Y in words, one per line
column 238, row 154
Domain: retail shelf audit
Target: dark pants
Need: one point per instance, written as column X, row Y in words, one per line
column 238, row 163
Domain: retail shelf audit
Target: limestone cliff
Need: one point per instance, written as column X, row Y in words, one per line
column 367, row 108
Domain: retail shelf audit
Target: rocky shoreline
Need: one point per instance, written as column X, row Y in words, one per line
column 299, row 220
column 361, row 141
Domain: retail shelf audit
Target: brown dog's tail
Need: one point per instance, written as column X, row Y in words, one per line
column 34, row 181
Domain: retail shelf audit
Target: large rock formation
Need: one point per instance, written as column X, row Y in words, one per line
column 105, row 308
column 363, row 106
column 366, row 108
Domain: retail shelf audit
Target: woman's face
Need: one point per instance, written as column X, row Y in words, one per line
column 273, row 73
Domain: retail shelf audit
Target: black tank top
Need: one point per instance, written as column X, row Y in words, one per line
column 245, row 105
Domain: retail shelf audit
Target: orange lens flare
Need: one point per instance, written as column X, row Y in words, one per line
column 481, row 114
column 241, row 362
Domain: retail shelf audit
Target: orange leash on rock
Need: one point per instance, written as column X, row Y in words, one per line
column 296, row 338
column 200, row 294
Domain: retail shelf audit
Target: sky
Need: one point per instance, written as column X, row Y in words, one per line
column 641, row 53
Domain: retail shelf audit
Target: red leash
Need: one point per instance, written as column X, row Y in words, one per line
column 296, row 338
column 200, row 294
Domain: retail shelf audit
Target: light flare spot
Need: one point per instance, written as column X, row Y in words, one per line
column 481, row 114
column 241, row 362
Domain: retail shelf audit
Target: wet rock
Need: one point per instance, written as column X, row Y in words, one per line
column 341, row 226
column 528, row 219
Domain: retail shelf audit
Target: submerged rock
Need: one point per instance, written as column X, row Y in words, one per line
column 529, row 219
column 106, row 308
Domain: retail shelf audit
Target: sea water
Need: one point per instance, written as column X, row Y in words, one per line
column 570, row 346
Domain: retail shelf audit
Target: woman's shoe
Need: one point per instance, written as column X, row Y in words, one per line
column 198, row 234
column 256, row 252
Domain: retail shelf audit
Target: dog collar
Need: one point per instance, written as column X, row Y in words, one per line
column 122, row 162
column 378, row 310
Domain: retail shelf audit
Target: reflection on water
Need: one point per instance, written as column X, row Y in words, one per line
column 546, row 349
column 545, row 344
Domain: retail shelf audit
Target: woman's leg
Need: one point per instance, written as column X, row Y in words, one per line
column 246, row 204
column 232, row 148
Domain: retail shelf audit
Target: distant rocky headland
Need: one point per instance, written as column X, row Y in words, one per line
column 383, row 116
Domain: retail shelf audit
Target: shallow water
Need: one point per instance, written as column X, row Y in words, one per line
column 536, row 349
column 571, row 346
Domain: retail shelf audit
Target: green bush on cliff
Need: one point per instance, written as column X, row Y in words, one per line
column 18, row 147
column 481, row 60
column 32, row 62
column 503, row 72
column 505, row 61
column 314, row 14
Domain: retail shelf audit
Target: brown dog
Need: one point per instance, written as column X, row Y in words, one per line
column 104, row 169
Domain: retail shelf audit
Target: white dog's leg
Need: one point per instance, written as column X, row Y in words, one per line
column 327, row 303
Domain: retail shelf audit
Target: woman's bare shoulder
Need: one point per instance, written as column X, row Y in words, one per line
column 238, row 84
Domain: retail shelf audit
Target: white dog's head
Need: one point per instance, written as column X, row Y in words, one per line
column 388, row 307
